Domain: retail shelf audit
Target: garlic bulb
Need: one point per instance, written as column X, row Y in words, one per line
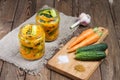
column 83, row 19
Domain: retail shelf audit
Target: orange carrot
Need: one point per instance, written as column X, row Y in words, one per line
column 82, row 36
column 89, row 40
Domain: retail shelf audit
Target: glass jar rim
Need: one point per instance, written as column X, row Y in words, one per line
column 44, row 19
column 35, row 37
column 49, row 9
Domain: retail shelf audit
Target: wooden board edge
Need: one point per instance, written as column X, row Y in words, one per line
column 59, row 71
column 62, row 72
column 105, row 32
column 97, row 66
column 72, row 76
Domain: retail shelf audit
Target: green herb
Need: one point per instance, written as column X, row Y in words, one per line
column 42, row 21
column 29, row 32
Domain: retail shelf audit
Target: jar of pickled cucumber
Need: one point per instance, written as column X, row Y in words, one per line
column 49, row 19
column 32, row 41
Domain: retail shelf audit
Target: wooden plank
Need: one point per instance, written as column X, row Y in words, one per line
column 6, row 19
column 75, row 8
column 58, row 76
column 115, row 11
column 43, row 75
column 64, row 6
column 4, row 10
column 96, row 75
column 102, row 17
column 5, row 27
column 45, row 72
column 41, row 3
column 10, row 72
column 68, row 68
column 6, row 15
column 1, row 66
column 91, row 10
column 26, row 8
column 80, row 6
column 109, row 72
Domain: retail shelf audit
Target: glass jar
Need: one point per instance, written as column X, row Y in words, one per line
column 49, row 19
column 32, row 41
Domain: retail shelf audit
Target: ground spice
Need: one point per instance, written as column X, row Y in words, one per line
column 79, row 68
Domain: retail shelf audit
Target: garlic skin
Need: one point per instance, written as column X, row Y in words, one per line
column 83, row 19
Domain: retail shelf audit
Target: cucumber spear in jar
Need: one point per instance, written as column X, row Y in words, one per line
column 32, row 41
column 49, row 20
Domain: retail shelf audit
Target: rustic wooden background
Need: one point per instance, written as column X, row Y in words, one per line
column 14, row 12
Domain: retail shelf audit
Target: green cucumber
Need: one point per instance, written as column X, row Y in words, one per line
column 46, row 15
column 43, row 11
column 34, row 30
column 90, row 55
column 53, row 13
column 96, row 47
column 42, row 20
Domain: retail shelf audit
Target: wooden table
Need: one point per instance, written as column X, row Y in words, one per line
column 103, row 13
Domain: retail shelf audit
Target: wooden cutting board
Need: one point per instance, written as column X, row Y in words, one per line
column 68, row 69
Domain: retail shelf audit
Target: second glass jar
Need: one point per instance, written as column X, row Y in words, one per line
column 49, row 19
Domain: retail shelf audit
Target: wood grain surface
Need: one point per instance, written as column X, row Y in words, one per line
column 14, row 12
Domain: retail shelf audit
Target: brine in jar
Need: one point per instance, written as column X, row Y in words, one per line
column 49, row 19
column 32, row 41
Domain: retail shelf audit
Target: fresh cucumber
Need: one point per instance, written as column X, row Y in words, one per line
column 53, row 13
column 34, row 30
column 43, row 11
column 90, row 55
column 96, row 47
column 48, row 13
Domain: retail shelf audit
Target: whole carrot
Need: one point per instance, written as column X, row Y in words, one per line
column 82, row 36
column 89, row 40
